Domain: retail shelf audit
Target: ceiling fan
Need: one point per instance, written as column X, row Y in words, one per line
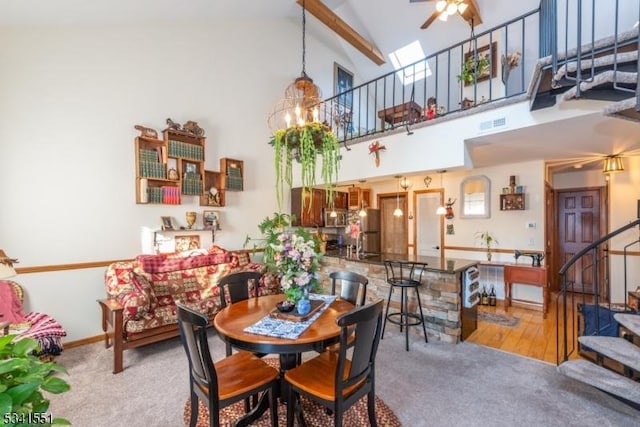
column 468, row 9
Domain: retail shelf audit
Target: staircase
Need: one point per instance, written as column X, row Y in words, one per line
column 611, row 332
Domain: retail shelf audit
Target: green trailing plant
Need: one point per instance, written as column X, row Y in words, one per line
column 472, row 67
column 305, row 144
column 23, row 378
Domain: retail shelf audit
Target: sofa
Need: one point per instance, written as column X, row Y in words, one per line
column 141, row 294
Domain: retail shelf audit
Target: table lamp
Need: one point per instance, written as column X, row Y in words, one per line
column 6, row 266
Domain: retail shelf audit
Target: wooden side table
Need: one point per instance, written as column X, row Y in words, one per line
column 526, row 275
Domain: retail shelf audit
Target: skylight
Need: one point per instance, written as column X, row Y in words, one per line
column 407, row 55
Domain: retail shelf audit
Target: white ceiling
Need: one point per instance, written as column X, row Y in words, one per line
column 389, row 24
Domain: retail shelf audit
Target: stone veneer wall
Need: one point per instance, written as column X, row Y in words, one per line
column 439, row 295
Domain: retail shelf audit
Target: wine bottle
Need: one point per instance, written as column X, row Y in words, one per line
column 484, row 300
column 492, row 297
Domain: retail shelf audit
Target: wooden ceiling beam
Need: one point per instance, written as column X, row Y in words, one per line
column 473, row 11
column 344, row 30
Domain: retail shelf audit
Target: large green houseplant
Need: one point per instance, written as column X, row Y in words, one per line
column 23, row 378
column 305, row 143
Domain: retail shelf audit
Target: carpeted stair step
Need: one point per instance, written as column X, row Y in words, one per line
column 614, row 348
column 629, row 321
column 610, row 76
column 602, row 378
column 602, row 61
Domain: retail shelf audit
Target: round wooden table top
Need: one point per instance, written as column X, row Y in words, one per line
column 231, row 321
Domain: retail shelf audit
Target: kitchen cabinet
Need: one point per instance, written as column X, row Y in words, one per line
column 307, row 207
column 359, row 198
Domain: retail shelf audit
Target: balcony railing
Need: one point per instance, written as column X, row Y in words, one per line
column 405, row 97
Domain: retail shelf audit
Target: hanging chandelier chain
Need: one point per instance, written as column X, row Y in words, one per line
column 304, row 44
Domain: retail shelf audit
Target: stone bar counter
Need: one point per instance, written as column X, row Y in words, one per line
column 440, row 293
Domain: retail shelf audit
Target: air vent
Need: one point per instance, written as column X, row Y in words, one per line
column 493, row 124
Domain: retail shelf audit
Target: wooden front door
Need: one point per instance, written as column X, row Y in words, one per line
column 394, row 238
column 581, row 221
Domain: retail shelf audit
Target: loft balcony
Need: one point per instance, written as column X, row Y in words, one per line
column 567, row 49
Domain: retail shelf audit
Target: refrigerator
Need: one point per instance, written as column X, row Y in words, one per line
column 370, row 228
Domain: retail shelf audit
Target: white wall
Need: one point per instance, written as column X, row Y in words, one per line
column 69, row 98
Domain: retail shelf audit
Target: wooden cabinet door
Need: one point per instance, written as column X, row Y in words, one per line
column 307, row 207
column 340, row 200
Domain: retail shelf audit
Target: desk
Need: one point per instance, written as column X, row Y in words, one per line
column 536, row 276
column 407, row 112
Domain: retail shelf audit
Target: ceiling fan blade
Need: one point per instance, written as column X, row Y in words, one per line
column 432, row 18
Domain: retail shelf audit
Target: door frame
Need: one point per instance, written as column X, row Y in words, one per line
column 415, row 222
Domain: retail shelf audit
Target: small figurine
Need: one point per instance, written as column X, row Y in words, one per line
column 431, row 108
column 449, row 210
column 148, row 132
column 173, row 125
column 192, row 128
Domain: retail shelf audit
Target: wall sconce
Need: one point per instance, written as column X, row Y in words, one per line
column 405, row 184
column 613, row 164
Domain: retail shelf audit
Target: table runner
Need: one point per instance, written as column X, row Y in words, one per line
column 288, row 329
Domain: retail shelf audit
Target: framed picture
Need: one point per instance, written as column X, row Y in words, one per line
column 210, row 218
column 343, row 81
column 187, row 243
column 491, row 70
column 167, row 222
column 190, row 168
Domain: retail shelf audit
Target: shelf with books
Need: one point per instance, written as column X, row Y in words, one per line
column 169, row 168
column 232, row 173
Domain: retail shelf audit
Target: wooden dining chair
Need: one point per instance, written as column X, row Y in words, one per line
column 352, row 285
column 230, row 380
column 236, row 287
column 334, row 380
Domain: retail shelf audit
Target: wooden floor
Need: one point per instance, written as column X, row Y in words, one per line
column 534, row 337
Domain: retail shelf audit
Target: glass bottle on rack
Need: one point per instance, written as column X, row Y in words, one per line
column 492, row 296
column 484, row 298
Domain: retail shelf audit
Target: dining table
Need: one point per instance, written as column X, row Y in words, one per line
column 234, row 322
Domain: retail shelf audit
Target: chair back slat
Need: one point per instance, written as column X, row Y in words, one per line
column 352, row 286
column 368, row 324
column 193, row 331
column 236, row 287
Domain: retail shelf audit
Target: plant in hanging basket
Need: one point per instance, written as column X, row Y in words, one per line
column 305, row 144
column 473, row 67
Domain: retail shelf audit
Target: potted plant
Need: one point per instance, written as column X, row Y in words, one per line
column 472, row 67
column 486, row 240
column 23, row 378
column 305, row 143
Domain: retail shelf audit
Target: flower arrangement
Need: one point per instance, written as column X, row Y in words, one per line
column 305, row 143
column 295, row 258
column 293, row 254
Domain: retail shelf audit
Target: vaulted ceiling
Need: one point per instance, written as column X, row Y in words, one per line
column 382, row 26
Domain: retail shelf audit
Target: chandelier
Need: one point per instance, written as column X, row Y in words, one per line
column 450, row 7
column 299, row 123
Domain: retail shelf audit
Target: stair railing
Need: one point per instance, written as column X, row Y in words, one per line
column 572, row 293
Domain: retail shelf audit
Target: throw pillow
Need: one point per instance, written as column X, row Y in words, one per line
column 143, row 285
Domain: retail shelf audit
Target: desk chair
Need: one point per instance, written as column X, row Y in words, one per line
column 230, row 380
column 335, row 381
column 404, row 275
column 236, row 287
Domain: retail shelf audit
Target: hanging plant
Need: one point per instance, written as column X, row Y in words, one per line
column 472, row 67
column 304, row 144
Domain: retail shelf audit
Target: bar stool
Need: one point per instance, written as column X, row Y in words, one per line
column 404, row 275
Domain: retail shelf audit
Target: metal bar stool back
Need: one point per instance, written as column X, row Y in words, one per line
column 404, row 275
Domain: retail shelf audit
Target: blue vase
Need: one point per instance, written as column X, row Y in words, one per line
column 304, row 306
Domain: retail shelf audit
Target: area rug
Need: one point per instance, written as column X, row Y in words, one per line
column 499, row 319
column 314, row 415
